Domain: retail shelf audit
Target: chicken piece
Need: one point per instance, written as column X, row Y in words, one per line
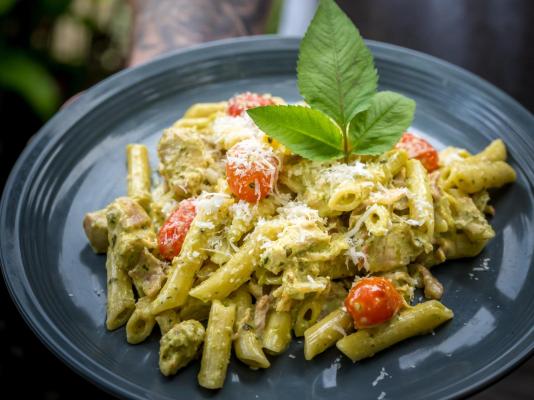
column 186, row 162
column 149, row 274
column 126, row 215
column 433, row 287
column 95, row 226
column 179, row 346
column 396, row 249
column 129, row 232
column 260, row 313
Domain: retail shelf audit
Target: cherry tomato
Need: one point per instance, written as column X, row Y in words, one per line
column 251, row 170
column 372, row 301
column 420, row 149
column 172, row 233
column 244, row 101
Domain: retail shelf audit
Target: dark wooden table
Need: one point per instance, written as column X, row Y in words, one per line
column 492, row 38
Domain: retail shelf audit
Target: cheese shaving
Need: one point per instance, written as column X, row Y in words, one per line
column 209, row 203
column 343, row 172
column 364, row 217
column 250, row 155
column 205, row 224
column 295, row 211
column 242, row 210
column 228, row 130
column 357, row 256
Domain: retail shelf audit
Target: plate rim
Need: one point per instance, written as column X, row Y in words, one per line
column 111, row 86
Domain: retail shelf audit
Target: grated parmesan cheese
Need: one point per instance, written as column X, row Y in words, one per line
column 251, row 154
column 295, row 212
column 388, row 196
column 342, row 172
column 413, row 222
column 228, row 130
column 205, row 224
column 380, row 377
column 484, row 266
column 357, row 256
column 314, row 285
column 209, row 203
column 422, row 207
column 242, row 210
column 364, row 217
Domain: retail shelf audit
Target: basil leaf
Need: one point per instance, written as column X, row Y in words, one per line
column 306, row 132
column 378, row 129
column 336, row 74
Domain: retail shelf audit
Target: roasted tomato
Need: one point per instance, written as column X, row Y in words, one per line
column 372, row 301
column 251, row 170
column 420, row 149
column 172, row 233
column 244, row 101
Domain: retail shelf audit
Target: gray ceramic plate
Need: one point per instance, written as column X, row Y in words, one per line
column 77, row 163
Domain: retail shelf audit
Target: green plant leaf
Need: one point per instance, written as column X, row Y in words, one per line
column 336, row 74
column 25, row 76
column 307, row 132
column 6, row 6
column 377, row 129
column 337, row 78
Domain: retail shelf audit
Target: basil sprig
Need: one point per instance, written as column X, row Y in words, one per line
column 338, row 80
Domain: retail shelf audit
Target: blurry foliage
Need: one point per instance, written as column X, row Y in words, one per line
column 26, row 76
column 273, row 19
column 5, row 5
column 52, row 49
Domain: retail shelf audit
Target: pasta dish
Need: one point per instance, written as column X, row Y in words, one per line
column 241, row 244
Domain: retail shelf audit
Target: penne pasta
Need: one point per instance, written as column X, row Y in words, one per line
column 473, row 176
column 120, row 297
column 217, row 345
column 307, row 315
column 138, row 174
column 326, row 332
column 247, row 346
column 277, row 333
column 141, row 322
column 417, row 320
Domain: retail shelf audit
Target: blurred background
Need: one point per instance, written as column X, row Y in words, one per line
column 51, row 50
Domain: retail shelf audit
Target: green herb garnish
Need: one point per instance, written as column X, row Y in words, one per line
column 337, row 78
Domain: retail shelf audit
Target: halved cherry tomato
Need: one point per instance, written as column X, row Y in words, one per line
column 244, row 101
column 372, row 301
column 172, row 233
column 420, row 149
column 251, row 170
